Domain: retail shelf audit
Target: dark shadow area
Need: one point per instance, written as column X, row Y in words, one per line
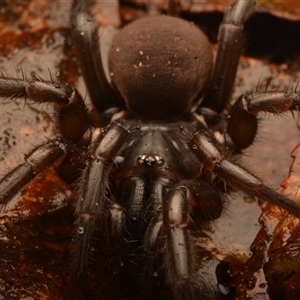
column 267, row 36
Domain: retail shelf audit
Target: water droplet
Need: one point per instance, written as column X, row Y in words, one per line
column 263, row 285
column 117, row 49
column 80, row 230
column 141, row 52
column 111, row 74
column 155, row 274
column 194, row 147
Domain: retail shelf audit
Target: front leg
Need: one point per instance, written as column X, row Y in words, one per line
column 233, row 174
column 91, row 193
column 242, row 121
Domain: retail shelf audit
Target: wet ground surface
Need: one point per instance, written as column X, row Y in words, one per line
column 36, row 227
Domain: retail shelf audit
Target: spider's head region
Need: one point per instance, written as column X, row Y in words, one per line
column 160, row 65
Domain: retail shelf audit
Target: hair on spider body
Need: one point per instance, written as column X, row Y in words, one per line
column 154, row 176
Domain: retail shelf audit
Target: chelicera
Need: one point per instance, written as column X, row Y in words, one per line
column 154, row 172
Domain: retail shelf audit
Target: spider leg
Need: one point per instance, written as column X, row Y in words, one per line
column 242, row 120
column 86, row 41
column 231, row 44
column 240, row 178
column 71, row 110
column 92, row 188
column 72, row 122
column 178, row 245
column 37, row 161
column 233, row 174
column 189, row 204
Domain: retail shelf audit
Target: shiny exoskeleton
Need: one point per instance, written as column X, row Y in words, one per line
column 155, row 172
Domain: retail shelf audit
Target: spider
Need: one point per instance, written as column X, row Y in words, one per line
column 156, row 169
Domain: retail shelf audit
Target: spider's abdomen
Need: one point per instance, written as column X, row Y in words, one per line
column 160, row 65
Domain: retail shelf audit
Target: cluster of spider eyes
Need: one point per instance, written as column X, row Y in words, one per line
column 150, row 161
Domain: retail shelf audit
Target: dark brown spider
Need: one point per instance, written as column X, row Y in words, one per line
column 154, row 173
